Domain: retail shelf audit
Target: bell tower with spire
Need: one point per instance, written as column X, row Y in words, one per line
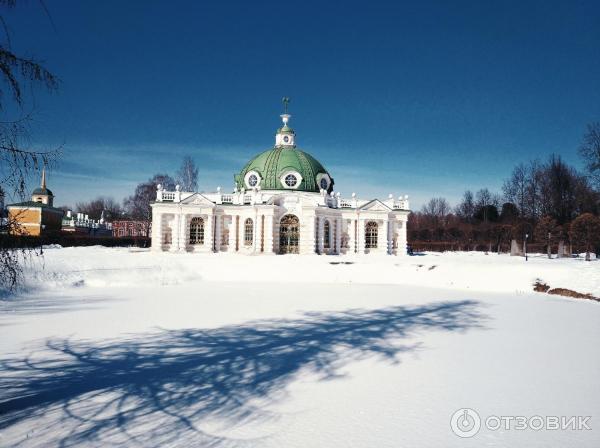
column 285, row 137
column 42, row 194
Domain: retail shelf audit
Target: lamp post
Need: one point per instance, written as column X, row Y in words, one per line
column 526, row 236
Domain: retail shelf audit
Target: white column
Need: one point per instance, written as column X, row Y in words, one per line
column 175, row 232
column 402, row 240
column 156, row 230
column 338, row 235
column 231, row 227
column 218, row 232
column 320, row 234
column 256, row 232
column 388, row 236
column 183, row 228
column 351, row 240
column 208, row 233
column 237, row 228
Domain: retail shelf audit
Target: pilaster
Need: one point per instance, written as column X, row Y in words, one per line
column 218, row 232
column 307, row 232
column 338, row 235
column 360, row 247
column 156, row 230
column 269, row 234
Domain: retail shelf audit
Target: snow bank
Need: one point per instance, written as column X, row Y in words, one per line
column 123, row 267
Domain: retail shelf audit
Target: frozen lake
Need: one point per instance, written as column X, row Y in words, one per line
column 110, row 347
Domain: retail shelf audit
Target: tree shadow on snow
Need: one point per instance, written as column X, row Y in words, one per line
column 158, row 388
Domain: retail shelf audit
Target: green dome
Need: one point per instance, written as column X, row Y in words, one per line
column 285, row 130
column 272, row 164
column 43, row 191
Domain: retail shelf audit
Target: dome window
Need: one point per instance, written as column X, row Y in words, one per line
column 252, row 179
column 323, row 181
column 291, row 180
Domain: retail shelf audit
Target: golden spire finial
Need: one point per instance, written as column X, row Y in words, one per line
column 44, row 177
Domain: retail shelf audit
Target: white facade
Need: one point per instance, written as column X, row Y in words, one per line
column 278, row 209
column 250, row 223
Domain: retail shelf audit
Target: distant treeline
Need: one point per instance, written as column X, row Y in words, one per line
column 64, row 240
column 545, row 203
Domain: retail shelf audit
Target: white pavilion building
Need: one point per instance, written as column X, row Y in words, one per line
column 283, row 202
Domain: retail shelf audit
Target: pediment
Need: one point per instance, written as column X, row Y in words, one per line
column 198, row 199
column 375, row 206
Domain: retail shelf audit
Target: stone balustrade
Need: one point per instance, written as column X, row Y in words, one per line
column 242, row 197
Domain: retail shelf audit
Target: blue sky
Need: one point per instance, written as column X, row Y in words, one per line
column 423, row 98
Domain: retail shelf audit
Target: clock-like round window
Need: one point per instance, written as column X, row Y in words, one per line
column 324, row 184
column 286, row 139
column 252, row 180
column 291, row 180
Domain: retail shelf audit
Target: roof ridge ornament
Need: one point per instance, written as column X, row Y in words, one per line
column 285, row 116
column 285, row 100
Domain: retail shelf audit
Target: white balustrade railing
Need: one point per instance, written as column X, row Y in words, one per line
column 247, row 199
column 400, row 205
column 168, row 195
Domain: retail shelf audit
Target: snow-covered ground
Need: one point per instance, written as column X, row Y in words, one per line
column 109, row 347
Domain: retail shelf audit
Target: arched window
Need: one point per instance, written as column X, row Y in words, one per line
column 167, row 235
column 225, row 237
column 197, row 231
column 371, row 235
column 248, row 232
column 326, row 234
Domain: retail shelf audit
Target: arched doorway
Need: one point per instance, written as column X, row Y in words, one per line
column 289, row 234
